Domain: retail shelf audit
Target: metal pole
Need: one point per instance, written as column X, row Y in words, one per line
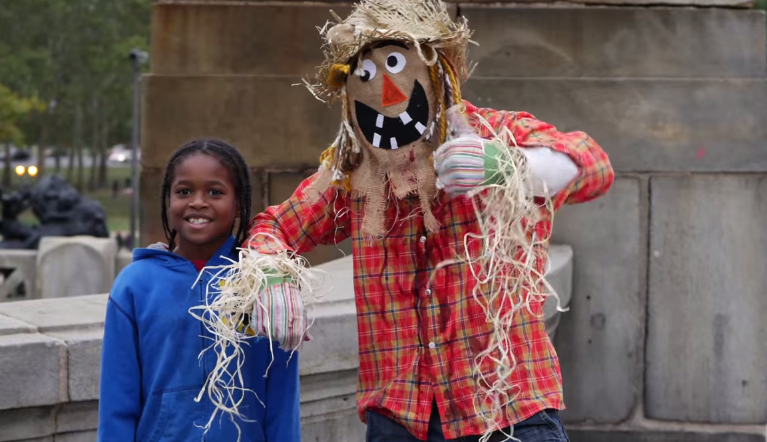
column 137, row 58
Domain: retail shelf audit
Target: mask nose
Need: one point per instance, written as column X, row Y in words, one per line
column 391, row 94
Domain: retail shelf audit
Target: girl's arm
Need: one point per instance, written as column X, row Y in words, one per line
column 120, row 397
column 283, row 405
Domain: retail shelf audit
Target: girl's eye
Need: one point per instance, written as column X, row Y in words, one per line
column 395, row 62
column 215, row 192
column 368, row 70
column 183, row 192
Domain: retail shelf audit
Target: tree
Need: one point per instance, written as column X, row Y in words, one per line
column 13, row 110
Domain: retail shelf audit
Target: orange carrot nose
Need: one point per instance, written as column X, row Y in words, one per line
column 391, row 94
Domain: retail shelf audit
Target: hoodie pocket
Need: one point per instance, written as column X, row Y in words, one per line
column 178, row 417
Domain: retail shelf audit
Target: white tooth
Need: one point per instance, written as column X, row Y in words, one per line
column 393, row 142
column 376, row 140
column 421, row 128
column 405, row 117
column 379, row 121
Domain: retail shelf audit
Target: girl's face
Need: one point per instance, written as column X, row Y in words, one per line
column 203, row 204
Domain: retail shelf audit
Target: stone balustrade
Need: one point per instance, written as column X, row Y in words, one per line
column 50, row 353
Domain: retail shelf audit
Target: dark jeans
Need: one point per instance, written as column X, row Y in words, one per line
column 542, row 427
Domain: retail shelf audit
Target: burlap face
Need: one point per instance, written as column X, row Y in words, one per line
column 393, row 106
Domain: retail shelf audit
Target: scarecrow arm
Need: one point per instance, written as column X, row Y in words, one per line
column 595, row 172
column 550, row 171
column 301, row 223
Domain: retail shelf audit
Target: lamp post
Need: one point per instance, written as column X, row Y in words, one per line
column 137, row 58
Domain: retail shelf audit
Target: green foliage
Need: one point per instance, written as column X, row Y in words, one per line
column 74, row 54
column 13, row 110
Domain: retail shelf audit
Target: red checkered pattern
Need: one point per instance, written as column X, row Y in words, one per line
column 418, row 336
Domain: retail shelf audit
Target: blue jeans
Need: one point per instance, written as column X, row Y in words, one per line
column 542, row 427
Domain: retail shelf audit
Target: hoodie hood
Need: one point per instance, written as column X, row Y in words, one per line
column 161, row 252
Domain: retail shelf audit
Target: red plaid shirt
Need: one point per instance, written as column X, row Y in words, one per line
column 418, row 339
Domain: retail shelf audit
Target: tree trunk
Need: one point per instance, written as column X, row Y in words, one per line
column 77, row 138
column 41, row 143
column 7, row 166
column 102, row 183
column 94, row 147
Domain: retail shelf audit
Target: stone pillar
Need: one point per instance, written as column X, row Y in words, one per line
column 73, row 266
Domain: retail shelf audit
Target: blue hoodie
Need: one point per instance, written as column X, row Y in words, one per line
column 151, row 373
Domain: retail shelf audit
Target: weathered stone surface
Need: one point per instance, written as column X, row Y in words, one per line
column 124, row 257
column 74, row 266
column 77, row 416
column 80, row 436
column 9, row 326
column 706, row 356
column 658, row 436
column 598, row 340
column 652, row 125
column 617, row 42
column 83, row 362
column 33, row 371
column 50, row 315
column 26, row 423
column 24, row 263
column 337, row 427
column 238, row 38
column 273, row 123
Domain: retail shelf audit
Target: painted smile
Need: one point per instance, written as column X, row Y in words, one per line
column 394, row 132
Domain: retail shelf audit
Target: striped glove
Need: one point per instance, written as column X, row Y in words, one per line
column 281, row 315
column 461, row 164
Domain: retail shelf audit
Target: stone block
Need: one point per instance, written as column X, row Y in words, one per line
column 338, row 427
column 334, row 347
column 80, row 436
column 23, row 266
column 26, row 423
column 648, row 125
column 50, row 315
column 77, row 416
column 661, row 436
column 616, row 42
column 10, row 326
column 34, row 371
column 273, row 123
column 599, row 339
column 239, row 38
column 706, row 356
column 83, row 362
column 74, row 266
column 124, row 257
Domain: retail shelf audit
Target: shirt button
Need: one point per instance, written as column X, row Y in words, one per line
column 423, row 239
column 427, row 292
column 432, row 345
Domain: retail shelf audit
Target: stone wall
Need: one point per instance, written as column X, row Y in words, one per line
column 662, row 340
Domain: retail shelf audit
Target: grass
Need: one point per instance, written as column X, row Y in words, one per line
column 117, row 208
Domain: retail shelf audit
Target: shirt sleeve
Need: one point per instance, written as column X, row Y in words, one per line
column 120, row 395
column 307, row 219
column 595, row 173
column 283, row 405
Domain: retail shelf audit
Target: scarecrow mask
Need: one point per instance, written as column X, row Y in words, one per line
column 391, row 97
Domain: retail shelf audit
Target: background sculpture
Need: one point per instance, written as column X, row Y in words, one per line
column 59, row 208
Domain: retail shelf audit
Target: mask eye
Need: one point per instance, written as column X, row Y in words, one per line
column 368, row 71
column 395, row 62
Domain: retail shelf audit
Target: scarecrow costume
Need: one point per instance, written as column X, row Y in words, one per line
column 449, row 207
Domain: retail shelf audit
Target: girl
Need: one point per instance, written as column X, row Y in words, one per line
column 151, row 367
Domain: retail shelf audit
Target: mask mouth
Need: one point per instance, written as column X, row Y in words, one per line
column 394, row 132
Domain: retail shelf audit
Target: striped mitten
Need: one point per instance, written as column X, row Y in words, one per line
column 460, row 165
column 281, row 315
